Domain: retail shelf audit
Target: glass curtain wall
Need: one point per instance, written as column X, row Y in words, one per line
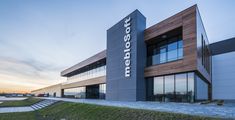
column 92, row 92
column 158, row 89
column 165, row 51
column 169, row 88
column 93, row 73
column 172, row 88
column 181, row 88
column 202, row 89
column 79, row 92
column 97, row 91
column 102, row 91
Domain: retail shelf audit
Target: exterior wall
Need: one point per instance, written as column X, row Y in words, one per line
column 223, row 75
column 51, row 90
column 72, row 70
column 201, row 89
column 98, row 80
column 187, row 20
column 119, row 86
column 201, row 32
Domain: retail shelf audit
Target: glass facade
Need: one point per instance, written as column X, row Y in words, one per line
column 202, row 89
column 177, row 88
column 97, row 91
column 159, row 89
column 79, row 92
column 169, row 88
column 165, row 51
column 205, row 54
column 92, row 73
column 102, row 91
column 190, row 91
column 92, row 92
column 181, row 88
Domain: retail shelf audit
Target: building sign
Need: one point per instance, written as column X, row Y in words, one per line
column 127, row 50
column 126, row 58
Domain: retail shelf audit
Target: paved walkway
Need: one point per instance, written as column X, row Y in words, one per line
column 33, row 107
column 11, row 98
column 16, row 109
column 227, row 111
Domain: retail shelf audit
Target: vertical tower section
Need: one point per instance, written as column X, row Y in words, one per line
column 126, row 59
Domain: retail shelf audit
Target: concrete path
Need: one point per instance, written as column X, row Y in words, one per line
column 33, row 107
column 11, row 98
column 227, row 111
column 15, row 109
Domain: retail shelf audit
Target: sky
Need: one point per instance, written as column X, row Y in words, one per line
column 41, row 38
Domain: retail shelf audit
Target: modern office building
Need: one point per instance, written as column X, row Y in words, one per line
column 171, row 61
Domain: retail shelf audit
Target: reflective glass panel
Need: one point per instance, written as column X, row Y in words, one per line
column 191, row 87
column 169, row 88
column 158, row 88
column 181, row 87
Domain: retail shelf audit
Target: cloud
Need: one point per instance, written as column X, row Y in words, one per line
column 27, row 74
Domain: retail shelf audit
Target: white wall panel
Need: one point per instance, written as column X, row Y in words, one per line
column 223, row 76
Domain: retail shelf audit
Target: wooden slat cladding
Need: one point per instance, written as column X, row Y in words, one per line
column 187, row 20
column 169, row 24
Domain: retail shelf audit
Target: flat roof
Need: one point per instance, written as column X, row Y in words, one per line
column 97, row 57
column 223, row 46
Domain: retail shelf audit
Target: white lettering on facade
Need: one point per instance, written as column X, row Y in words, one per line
column 127, row 50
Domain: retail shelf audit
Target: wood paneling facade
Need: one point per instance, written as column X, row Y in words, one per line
column 187, row 20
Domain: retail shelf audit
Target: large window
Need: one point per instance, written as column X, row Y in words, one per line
column 93, row 73
column 181, row 87
column 97, row 91
column 102, row 91
column 190, row 91
column 202, row 89
column 205, row 54
column 165, row 51
column 169, row 88
column 174, row 88
column 158, row 89
column 79, row 92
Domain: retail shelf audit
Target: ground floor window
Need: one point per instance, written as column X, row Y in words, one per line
column 78, row 92
column 202, row 89
column 176, row 88
column 102, row 91
column 97, row 91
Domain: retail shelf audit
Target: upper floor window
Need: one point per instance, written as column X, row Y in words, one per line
column 205, row 55
column 168, row 50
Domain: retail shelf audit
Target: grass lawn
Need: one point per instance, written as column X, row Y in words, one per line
column 78, row 111
column 27, row 102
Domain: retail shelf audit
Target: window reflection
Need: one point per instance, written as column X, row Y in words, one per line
column 93, row 73
column 165, row 51
column 191, row 87
column 79, row 92
column 169, row 88
column 96, row 91
column 158, row 89
column 181, row 87
column 102, row 91
column 173, row 88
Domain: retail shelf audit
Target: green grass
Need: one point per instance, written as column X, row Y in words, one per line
column 78, row 111
column 27, row 102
